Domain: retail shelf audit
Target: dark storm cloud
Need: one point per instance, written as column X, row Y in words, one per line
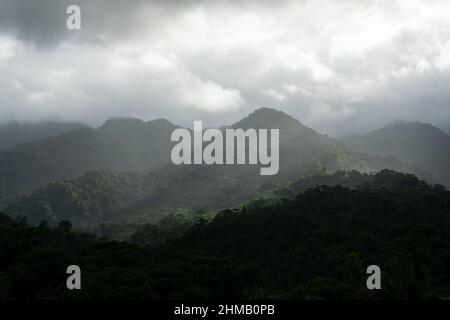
column 339, row 66
column 35, row 21
column 42, row 22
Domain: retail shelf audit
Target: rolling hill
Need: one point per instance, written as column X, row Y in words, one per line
column 119, row 145
column 414, row 142
column 170, row 189
column 315, row 244
column 17, row 133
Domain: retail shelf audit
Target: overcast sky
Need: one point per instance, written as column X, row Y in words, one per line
column 339, row 66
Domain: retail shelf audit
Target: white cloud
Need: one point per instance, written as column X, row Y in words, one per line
column 41, row 97
column 442, row 61
column 207, row 96
column 327, row 62
column 274, row 94
column 7, row 48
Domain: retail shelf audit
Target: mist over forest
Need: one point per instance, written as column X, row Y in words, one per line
column 347, row 101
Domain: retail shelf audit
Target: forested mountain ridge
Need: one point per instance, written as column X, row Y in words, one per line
column 86, row 201
column 118, row 145
column 315, row 244
column 185, row 188
column 17, row 133
column 302, row 148
column 387, row 179
column 323, row 238
column 176, row 223
column 414, row 142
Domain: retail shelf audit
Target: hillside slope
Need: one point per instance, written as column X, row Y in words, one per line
column 17, row 133
column 118, row 145
column 188, row 189
column 421, row 144
column 316, row 244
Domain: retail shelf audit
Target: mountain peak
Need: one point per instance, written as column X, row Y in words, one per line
column 268, row 118
column 414, row 142
column 412, row 128
column 270, row 113
column 161, row 123
column 120, row 122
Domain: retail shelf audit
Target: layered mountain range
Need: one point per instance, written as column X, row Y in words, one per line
column 121, row 172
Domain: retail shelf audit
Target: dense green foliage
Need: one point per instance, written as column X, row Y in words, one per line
column 314, row 244
column 34, row 260
column 86, row 201
column 327, row 236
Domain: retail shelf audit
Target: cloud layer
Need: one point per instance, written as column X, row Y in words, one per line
column 338, row 66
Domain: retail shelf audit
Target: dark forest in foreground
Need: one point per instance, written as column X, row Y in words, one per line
column 308, row 244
